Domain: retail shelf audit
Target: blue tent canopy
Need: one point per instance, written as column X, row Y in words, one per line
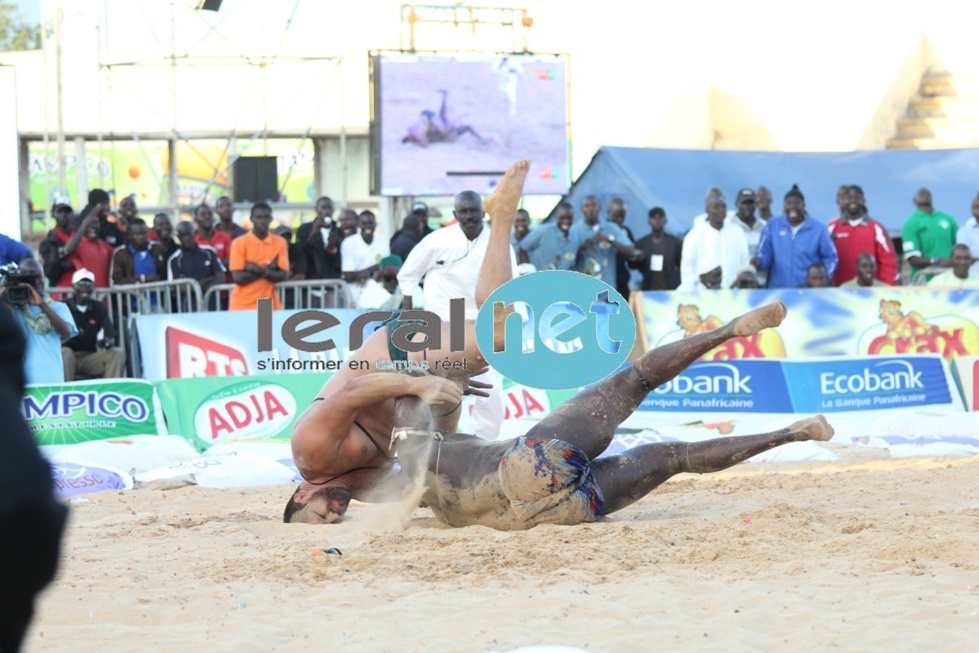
column 677, row 180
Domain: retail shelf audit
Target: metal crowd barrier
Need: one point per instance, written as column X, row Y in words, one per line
column 309, row 293
column 125, row 302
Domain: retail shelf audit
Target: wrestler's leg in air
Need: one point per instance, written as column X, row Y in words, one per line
column 589, row 420
column 628, row 477
column 501, row 205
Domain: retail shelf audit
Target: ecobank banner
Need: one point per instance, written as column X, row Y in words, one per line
column 835, row 385
column 92, row 410
column 190, row 345
column 883, row 321
column 209, row 411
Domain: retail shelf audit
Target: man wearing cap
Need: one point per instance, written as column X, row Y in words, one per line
column 45, row 323
column 713, row 251
column 57, row 268
column 382, row 292
column 792, row 242
column 661, row 254
column 92, row 352
column 361, row 254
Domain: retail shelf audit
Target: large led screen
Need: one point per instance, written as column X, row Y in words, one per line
column 443, row 124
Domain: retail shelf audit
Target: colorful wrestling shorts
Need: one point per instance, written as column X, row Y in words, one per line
column 549, row 481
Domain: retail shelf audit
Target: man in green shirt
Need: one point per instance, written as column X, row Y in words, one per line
column 928, row 235
column 866, row 273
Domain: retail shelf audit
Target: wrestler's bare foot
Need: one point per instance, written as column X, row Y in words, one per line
column 770, row 315
column 816, row 428
column 502, row 203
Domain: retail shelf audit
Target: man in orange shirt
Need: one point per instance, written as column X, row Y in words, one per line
column 259, row 260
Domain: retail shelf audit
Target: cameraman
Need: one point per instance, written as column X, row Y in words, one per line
column 82, row 353
column 45, row 323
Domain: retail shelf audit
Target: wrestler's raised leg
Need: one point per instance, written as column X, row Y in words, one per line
column 590, row 418
column 496, row 269
column 628, row 477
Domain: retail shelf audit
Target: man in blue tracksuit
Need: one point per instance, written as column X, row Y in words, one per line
column 792, row 242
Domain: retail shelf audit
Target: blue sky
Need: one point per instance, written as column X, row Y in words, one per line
column 30, row 10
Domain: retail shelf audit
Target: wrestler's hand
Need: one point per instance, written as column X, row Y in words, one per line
column 436, row 390
column 476, row 388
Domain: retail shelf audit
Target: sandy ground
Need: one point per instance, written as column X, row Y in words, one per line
column 865, row 553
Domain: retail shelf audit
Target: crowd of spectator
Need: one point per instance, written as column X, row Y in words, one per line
column 751, row 246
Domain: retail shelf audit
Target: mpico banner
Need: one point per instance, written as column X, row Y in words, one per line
column 209, row 411
column 190, row 345
column 83, row 411
column 738, row 386
column 870, row 383
column 880, row 321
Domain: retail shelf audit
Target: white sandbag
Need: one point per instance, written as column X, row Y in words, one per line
column 236, row 469
column 133, row 454
column 81, row 477
column 900, row 446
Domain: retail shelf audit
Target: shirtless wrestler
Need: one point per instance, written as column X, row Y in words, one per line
column 340, row 443
column 551, row 474
column 432, row 128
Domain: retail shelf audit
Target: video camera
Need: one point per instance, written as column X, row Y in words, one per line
column 12, row 277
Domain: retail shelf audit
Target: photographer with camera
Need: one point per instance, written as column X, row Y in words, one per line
column 44, row 322
column 92, row 352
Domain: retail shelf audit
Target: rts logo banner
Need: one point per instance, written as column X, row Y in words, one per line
column 566, row 330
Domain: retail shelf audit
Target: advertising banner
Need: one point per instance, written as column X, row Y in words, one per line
column 209, row 411
column 870, row 383
column 967, row 370
column 805, row 387
column 92, row 410
column 193, row 345
column 741, row 386
column 881, row 321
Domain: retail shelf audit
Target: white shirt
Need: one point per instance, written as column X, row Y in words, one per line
column 948, row 279
column 449, row 263
column 357, row 255
column 705, row 248
column 968, row 235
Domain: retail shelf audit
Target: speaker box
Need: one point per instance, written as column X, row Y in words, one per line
column 256, row 179
column 209, row 5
